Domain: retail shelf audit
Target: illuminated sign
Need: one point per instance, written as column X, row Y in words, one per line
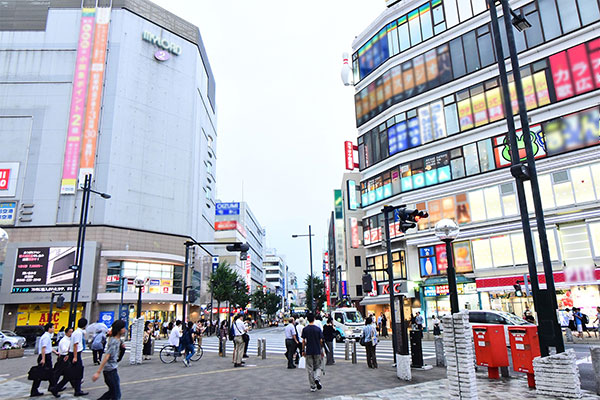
column 354, row 232
column 4, row 176
column 162, row 43
column 429, row 291
column 43, row 269
column 248, row 274
column 352, row 199
column 349, row 153
column 337, row 202
column 227, row 209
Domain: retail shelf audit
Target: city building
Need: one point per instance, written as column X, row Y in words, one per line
column 292, row 289
column 276, row 270
column 432, row 135
column 125, row 94
column 235, row 223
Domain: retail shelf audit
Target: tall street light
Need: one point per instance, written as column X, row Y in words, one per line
column 312, row 286
column 447, row 230
column 139, row 283
column 550, row 333
column 85, row 202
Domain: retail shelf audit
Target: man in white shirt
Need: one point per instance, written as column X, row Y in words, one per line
column 63, row 357
column 175, row 335
column 45, row 363
column 75, row 349
column 238, row 341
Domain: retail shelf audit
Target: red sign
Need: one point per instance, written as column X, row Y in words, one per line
column 580, row 68
column 349, row 150
column 354, row 233
column 442, row 290
column 112, row 278
column 595, row 60
column 441, row 259
column 374, row 291
column 328, row 289
column 4, row 177
column 225, row 225
column 561, row 76
column 385, row 289
column 248, row 274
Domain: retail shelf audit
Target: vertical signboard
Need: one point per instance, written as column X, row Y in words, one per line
column 80, row 82
column 248, row 274
column 561, row 76
column 94, row 96
column 352, row 197
column 340, row 248
column 349, row 152
column 354, row 233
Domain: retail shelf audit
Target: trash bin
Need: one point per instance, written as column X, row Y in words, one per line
column 416, row 348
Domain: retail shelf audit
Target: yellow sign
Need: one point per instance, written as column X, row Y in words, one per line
column 38, row 314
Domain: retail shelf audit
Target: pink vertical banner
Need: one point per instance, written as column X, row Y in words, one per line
column 80, row 82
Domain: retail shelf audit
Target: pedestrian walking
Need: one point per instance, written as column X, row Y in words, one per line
column 187, row 343
column 436, row 326
column 63, row 357
column 238, row 341
column 222, row 336
column 328, row 338
column 110, row 362
column 581, row 321
column 175, row 335
column 246, row 337
column 384, row 329
column 44, row 362
column 291, row 342
column 379, row 320
column 74, row 369
column 147, row 349
column 419, row 321
column 370, row 335
column 97, row 346
column 312, row 339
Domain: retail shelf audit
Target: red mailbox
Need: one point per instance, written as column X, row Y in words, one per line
column 490, row 348
column 524, row 346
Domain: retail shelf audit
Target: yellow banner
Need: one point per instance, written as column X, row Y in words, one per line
column 38, row 314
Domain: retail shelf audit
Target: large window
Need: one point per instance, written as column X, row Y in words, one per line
column 161, row 278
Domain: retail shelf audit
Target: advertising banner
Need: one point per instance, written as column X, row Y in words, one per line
column 94, row 97
column 338, row 204
column 44, row 269
column 248, row 274
column 9, row 172
column 352, row 197
column 227, row 209
column 494, row 104
column 354, row 231
column 561, row 75
column 39, row 314
column 344, row 286
column 8, row 212
column 76, row 114
column 580, row 68
column 437, row 120
column 107, row 318
column 462, row 256
column 349, row 153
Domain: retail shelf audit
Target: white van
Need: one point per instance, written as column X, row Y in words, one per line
column 477, row 317
column 348, row 323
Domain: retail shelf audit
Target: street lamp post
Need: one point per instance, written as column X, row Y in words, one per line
column 312, row 286
column 447, row 230
column 544, row 300
column 85, row 202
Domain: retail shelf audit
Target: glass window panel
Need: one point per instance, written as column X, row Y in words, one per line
column 534, row 34
column 451, row 115
column 595, row 237
column 477, row 205
column 439, row 28
column 551, row 245
column 426, row 24
column 438, row 14
column 458, row 168
column 415, row 27
column 596, row 175
column 486, row 155
column 492, row 202
column 509, row 204
column 582, row 184
column 392, row 36
column 518, row 247
column 528, row 196
column 563, row 193
column 464, row 10
column 486, row 49
column 546, row 191
column 471, row 159
column 549, row 16
column 501, row 252
column 482, row 254
column 568, row 15
column 589, row 11
column 451, row 13
column 403, row 35
column 470, row 46
column 458, row 58
column 479, row 6
column 449, row 208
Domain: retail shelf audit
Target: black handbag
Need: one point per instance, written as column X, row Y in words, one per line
column 39, row 373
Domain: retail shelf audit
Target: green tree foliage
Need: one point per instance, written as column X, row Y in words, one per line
column 221, row 284
column 320, row 295
column 239, row 295
column 272, row 304
column 259, row 300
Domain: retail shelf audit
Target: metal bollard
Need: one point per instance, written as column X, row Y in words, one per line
column 569, row 335
column 347, row 351
column 259, row 347
column 353, row 351
column 595, row 353
column 264, row 348
column 224, row 347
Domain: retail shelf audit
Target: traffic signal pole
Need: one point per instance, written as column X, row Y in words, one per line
column 390, row 271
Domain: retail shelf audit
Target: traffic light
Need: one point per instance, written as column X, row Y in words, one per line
column 367, row 283
column 60, row 301
column 409, row 218
column 518, row 291
column 241, row 247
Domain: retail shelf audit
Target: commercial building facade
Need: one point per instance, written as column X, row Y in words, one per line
column 276, row 273
column 125, row 94
column 432, row 135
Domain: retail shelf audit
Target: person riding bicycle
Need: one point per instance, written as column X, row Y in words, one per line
column 187, row 343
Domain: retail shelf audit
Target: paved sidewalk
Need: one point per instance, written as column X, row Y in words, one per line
column 515, row 388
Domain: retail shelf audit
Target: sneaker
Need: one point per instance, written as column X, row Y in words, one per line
column 312, row 389
column 186, row 362
column 318, row 383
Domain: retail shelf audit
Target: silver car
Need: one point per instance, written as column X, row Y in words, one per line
column 9, row 338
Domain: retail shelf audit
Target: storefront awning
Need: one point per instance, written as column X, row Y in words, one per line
column 381, row 299
column 503, row 283
column 443, row 280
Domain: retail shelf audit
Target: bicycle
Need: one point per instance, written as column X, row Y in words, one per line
column 170, row 353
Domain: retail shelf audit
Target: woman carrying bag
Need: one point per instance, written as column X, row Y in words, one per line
column 369, row 337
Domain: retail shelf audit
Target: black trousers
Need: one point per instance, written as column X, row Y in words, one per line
column 48, row 365
column 73, row 373
column 246, row 338
column 371, row 357
column 290, row 347
column 97, row 355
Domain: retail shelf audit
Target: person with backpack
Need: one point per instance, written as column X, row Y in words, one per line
column 187, row 343
column 580, row 322
column 109, row 363
column 97, row 346
column 369, row 340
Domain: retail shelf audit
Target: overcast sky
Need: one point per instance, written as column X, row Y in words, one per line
column 283, row 112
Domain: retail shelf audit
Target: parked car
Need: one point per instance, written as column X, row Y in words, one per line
column 477, row 317
column 30, row 333
column 9, row 338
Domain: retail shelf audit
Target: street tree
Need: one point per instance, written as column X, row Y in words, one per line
column 272, row 304
column 221, row 285
column 239, row 296
column 259, row 300
column 320, row 295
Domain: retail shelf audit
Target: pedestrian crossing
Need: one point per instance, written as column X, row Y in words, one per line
column 276, row 346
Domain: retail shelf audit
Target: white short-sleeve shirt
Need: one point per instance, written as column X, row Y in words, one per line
column 46, row 341
column 76, row 337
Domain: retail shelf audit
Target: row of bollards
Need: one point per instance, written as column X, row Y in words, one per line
column 350, row 349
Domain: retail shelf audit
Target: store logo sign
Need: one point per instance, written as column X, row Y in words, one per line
column 162, row 43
